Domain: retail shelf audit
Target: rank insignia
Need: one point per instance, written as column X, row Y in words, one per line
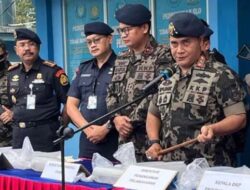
column 15, row 78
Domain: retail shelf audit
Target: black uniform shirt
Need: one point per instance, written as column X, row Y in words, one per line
column 50, row 86
column 90, row 80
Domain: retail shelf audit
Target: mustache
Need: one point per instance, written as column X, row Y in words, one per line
column 28, row 53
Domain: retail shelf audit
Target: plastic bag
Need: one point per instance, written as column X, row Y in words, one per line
column 21, row 158
column 100, row 161
column 105, row 172
column 191, row 177
column 126, row 154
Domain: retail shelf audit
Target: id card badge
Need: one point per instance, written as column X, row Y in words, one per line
column 31, row 102
column 92, row 102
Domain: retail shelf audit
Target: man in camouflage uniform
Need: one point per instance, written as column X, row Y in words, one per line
column 134, row 68
column 211, row 54
column 203, row 99
column 5, row 128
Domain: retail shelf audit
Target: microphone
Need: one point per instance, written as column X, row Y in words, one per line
column 165, row 74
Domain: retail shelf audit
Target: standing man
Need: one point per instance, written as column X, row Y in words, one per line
column 211, row 54
column 203, row 99
column 89, row 90
column 5, row 127
column 134, row 68
column 37, row 88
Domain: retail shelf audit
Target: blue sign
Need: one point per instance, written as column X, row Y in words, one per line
column 166, row 8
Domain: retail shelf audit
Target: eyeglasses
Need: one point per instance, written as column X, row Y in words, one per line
column 124, row 30
column 94, row 40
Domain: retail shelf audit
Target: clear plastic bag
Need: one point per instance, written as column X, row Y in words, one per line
column 190, row 178
column 105, row 172
column 126, row 154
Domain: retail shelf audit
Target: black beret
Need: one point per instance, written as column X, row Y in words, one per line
column 26, row 34
column 209, row 31
column 133, row 14
column 97, row 28
column 187, row 24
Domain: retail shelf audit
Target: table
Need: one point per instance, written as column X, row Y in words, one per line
column 15, row 179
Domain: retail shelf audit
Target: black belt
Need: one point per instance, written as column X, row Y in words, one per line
column 28, row 124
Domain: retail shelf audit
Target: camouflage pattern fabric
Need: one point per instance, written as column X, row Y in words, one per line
column 186, row 103
column 131, row 73
column 5, row 129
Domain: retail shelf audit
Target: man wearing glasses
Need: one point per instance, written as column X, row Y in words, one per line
column 89, row 90
column 134, row 68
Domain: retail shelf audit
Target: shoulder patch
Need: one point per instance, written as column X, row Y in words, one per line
column 63, row 78
column 59, row 72
column 13, row 66
column 49, row 63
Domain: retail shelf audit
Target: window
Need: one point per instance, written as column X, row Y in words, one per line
column 15, row 14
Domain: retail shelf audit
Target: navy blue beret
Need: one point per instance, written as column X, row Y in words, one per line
column 26, row 34
column 97, row 28
column 133, row 14
column 209, row 31
column 187, row 24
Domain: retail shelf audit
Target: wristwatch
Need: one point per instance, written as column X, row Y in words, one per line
column 151, row 142
column 109, row 125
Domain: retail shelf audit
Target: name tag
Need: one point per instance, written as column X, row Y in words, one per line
column 146, row 178
column 52, row 170
column 92, row 102
column 31, row 101
column 213, row 180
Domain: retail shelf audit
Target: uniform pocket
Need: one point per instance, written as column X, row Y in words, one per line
column 86, row 86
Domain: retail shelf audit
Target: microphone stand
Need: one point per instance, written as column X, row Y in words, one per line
column 62, row 163
column 65, row 133
column 69, row 132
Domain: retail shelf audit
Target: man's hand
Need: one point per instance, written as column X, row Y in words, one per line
column 206, row 134
column 7, row 115
column 152, row 152
column 123, row 126
column 97, row 133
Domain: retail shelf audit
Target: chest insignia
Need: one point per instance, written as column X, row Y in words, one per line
column 15, row 78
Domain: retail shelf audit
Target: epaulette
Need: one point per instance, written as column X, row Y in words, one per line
column 124, row 53
column 85, row 62
column 49, row 63
column 13, row 66
column 201, row 63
